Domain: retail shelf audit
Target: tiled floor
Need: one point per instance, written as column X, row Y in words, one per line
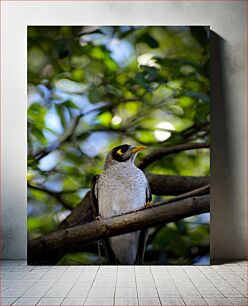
column 111, row 285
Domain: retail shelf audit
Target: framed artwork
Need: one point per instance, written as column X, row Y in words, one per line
column 118, row 145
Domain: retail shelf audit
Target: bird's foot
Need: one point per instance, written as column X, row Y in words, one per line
column 148, row 204
column 99, row 218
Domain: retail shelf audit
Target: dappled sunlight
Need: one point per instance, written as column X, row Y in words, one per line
column 147, row 60
column 49, row 162
column 69, row 86
column 116, row 120
column 163, row 132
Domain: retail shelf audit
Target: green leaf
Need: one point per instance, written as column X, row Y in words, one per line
column 95, row 95
column 170, row 238
column 38, row 134
column 105, row 119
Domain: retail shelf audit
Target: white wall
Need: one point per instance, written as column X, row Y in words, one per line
column 229, row 103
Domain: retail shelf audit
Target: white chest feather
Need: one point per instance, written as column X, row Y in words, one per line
column 121, row 189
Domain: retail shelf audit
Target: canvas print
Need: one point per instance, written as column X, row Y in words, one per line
column 118, row 128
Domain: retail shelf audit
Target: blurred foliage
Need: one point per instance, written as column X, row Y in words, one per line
column 92, row 88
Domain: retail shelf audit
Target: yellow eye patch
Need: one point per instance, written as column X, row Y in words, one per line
column 119, row 152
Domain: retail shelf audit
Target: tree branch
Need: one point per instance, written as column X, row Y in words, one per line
column 159, row 184
column 158, row 153
column 174, row 184
column 62, row 241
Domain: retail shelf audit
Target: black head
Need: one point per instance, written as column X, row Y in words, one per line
column 122, row 154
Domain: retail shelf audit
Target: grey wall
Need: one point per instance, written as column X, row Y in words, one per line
column 229, row 102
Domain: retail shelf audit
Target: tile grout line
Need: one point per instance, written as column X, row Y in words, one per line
column 155, row 286
column 135, row 277
column 212, row 284
column 231, row 284
column 193, row 284
column 176, row 286
column 73, row 284
column 237, row 273
column 117, row 271
column 98, row 268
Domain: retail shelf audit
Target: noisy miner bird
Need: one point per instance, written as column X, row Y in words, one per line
column 121, row 188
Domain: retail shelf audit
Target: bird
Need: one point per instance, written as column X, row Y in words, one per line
column 119, row 189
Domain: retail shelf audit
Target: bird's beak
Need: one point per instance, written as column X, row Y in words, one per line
column 137, row 149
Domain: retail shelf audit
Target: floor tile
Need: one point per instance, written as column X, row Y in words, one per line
column 108, row 268
column 124, row 285
column 99, row 301
column 73, row 301
column 105, row 284
column 189, row 292
column 145, row 283
column 194, row 301
column 147, row 292
column 7, row 300
column 26, row 301
column 239, row 301
column 15, row 275
column 217, row 301
column 167, row 301
column 51, row 276
column 50, row 301
column 125, row 269
column 211, row 292
column 58, row 291
column 229, row 291
column 79, row 291
column 75, row 269
column 41, row 268
column 58, row 268
column 38, row 290
column 10, row 292
column 102, row 292
column 164, row 292
column 149, row 301
column 126, row 292
column 122, row 301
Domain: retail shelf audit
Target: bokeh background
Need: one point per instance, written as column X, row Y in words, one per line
column 92, row 88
